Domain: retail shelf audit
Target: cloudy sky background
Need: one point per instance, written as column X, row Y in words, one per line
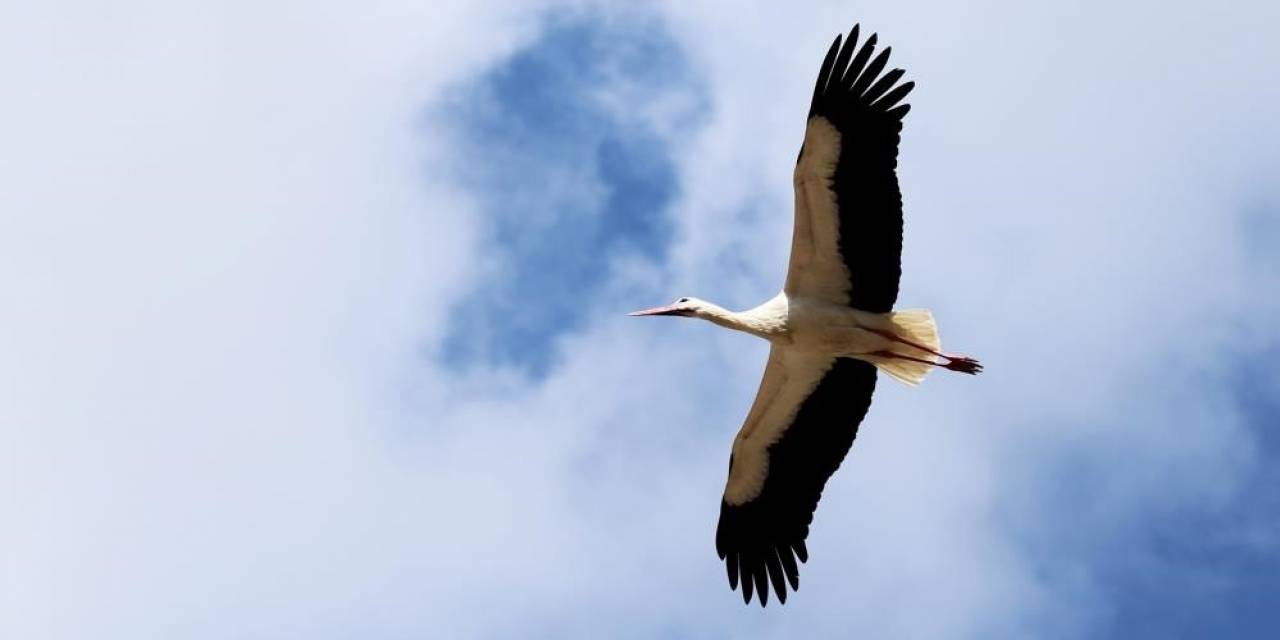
column 312, row 321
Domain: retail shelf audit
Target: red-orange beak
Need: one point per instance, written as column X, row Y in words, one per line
column 669, row 310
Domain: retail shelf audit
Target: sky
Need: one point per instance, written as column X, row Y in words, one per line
column 313, row 320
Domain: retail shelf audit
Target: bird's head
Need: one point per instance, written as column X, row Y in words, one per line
column 686, row 307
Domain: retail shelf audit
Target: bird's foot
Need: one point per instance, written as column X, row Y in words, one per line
column 963, row 364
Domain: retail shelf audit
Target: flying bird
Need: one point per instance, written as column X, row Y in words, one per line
column 830, row 328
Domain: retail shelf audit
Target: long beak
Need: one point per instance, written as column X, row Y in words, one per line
column 669, row 310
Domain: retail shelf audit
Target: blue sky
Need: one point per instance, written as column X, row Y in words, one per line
column 1206, row 572
column 316, row 321
column 577, row 184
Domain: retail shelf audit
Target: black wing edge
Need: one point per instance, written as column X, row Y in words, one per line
column 849, row 85
column 760, row 540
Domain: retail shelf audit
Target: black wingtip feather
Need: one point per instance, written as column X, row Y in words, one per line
column 789, row 565
column 839, row 80
column 894, row 97
column 762, row 585
column 850, row 81
column 882, row 86
column 842, row 61
column 872, row 71
column 859, row 61
column 801, row 551
column 824, row 74
column 775, row 576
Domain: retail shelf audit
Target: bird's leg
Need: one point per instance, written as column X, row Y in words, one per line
column 954, row 363
column 889, row 335
column 959, row 360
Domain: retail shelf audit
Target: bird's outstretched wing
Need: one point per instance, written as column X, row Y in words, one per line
column 797, row 432
column 847, row 241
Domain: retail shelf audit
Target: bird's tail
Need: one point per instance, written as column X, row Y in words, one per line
column 914, row 325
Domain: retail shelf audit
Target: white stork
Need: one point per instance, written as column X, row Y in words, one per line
column 829, row 329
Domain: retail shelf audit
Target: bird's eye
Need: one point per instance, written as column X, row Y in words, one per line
column 682, row 300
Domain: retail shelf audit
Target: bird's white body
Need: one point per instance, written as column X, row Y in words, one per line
column 808, row 326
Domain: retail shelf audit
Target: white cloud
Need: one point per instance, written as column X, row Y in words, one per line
column 215, row 251
column 222, row 276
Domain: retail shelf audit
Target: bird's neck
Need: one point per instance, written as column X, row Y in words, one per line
column 745, row 321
